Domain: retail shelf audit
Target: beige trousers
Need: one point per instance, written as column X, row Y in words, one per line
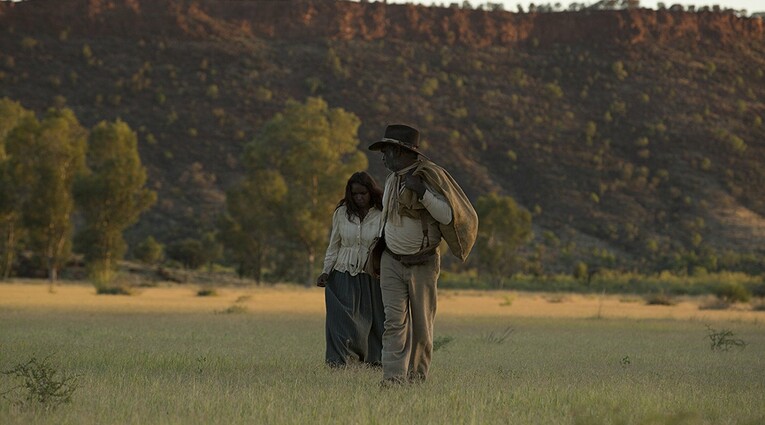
column 409, row 296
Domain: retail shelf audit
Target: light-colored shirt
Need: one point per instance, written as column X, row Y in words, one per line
column 350, row 240
column 403, row 235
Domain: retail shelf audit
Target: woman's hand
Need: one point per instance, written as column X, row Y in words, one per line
column 321, row 281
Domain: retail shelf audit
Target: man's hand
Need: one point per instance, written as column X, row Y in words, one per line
column 321, row 281
column 414, row 183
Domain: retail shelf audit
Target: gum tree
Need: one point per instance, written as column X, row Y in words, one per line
column 11, row 114
column 504, row 228
column 111, row 196
column 47, row 156
column 312, row 149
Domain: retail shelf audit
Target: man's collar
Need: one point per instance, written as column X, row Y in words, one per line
column 405, row 170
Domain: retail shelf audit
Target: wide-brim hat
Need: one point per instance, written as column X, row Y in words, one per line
column 399, row 135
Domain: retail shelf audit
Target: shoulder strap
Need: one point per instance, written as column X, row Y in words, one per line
column 424, row 222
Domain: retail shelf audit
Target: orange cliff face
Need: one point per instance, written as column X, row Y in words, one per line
column 309, row 19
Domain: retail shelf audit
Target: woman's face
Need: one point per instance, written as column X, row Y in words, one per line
column 360, row 195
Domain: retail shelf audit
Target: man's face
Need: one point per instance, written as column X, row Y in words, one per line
column 391, row 157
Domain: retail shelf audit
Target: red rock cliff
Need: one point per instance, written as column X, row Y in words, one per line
column 306, row 19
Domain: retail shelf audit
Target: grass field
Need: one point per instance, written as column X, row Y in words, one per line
column 255, row 355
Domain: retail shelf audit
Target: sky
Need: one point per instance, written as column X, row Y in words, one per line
column 510, row 5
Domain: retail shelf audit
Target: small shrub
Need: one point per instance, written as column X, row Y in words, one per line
column 507, row 300
column 441, row 342
column 234, row 309
column 660, row 299
column 553, row 90
column 113, row 290
column 625, row 361
column 723, row 340
column 619, row 71
column 87, row 52
column 212, row 91
column 429, row 87
column 556, row 299
column 42, row 383
column 313, row 84
column 497, row 338
column 29, row 43
column 732, row 292
column 207, row 292
column 715, row 304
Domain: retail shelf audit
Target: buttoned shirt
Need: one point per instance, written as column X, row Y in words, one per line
column 350, row 240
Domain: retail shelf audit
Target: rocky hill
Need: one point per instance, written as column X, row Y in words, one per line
column 634, row 136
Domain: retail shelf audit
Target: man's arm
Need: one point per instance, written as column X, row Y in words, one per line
column 433, row 201
column 437, row 206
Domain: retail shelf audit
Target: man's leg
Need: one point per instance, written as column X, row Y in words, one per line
column 396, row 340
column 423, row 297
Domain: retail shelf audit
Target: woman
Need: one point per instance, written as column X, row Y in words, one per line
column 355, row 316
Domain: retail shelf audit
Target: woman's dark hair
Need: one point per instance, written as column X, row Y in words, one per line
column 375, row 194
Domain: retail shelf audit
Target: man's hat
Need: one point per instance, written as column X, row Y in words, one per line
column 399, row 135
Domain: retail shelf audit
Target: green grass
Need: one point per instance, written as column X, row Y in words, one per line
column 252, row 368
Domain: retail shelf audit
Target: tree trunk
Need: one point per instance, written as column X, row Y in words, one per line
column 9, row 252
column 52, row 273
column 311, row 261
column 258, row 272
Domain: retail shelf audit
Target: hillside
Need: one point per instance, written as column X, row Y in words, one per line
column 634, row 136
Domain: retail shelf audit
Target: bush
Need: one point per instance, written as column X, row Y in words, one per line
column 660, row 299
column 149, row 251
column 758, row 290
column 429, row 87
column 723, row 340
column 113, row 290
column 732, row 292
column 207, row 292
column 188, row 252
column 42, row 383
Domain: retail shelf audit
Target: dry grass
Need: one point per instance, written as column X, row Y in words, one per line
column 164, row 356
column 295, row 299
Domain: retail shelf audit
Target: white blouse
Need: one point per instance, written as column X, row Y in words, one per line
column 350, row 240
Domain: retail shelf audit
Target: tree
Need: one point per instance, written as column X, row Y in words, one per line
column 11, row 114
column 252, row 215
column 149, row 251
column 189, row 252
column 212, row 249
column 312, row 149
column 111, row 196
column 504, row 228
column 47, row 156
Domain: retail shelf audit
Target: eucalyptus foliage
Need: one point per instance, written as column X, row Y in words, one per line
column 504, row 228
column 297, row 168
column 111, row 196
column 11, row 114
column 46, row 156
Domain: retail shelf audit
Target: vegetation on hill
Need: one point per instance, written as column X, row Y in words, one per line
column 634, row 137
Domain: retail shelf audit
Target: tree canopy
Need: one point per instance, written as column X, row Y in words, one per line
column 504, row 228
column 111, row 195
column 297, row 167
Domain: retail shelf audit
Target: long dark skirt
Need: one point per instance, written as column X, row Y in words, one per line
column 355, row 317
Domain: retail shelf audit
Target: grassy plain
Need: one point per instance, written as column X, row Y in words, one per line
column 255, row 355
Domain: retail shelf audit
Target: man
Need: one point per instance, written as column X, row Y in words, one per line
column 421, row 205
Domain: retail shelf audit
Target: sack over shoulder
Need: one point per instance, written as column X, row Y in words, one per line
column 372, row 264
